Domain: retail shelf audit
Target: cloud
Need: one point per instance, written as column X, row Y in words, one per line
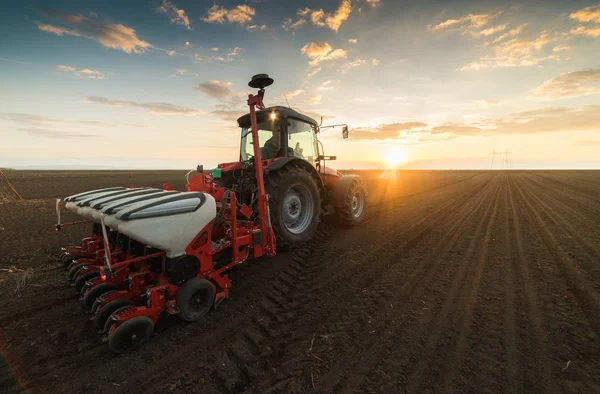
column 466, row 22
column 561, row 48
column 43, row 121
column 385, row 131
column 83, row 73
column 320, row 17
column 326, row 85
column 240, row 14
column 216, row 89
column 488, row 32
column 256, row 28
column 588, row 143
column 153, row 108
column 586, row 31
column 511, row 33
column 234, row 51
column 588, row 14
column 289, row 24
column 113, row 36
column 229, row 115
column 518, row 52
column 64, row 68
column 373, row 3
column 352, row 41
column 55, row 134
column 568, row 85
column 313, row 100
column 546, row 120
column 455, row 129
column 294, row 93
column 374, row 62
column 180, row 71
column 314, row 72
column 175, row 14
column 320, row 51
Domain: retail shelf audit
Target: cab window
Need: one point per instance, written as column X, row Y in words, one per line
column 301, row 140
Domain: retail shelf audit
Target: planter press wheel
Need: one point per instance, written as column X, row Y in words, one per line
column 110, row 321
column 67, row 259
column 75, row 269
column 107, row 310
column 131, row 335
column 195, row 298
column 80, row 282
column 90, row 297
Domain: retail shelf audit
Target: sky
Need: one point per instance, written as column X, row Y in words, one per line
column 421, row 84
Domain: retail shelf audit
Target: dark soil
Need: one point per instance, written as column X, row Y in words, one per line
column 457, row 282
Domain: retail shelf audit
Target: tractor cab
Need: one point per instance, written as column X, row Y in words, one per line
column 282, row 132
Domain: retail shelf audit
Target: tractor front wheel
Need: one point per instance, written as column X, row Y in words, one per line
column 295, row 205
column 354, row 210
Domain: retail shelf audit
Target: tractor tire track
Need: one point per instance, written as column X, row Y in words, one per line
column 284, row 312
column 383, row 294
column 570, row 305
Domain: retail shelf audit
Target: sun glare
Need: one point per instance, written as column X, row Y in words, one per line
column 394, row 158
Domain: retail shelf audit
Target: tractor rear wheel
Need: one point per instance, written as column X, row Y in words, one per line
column 131, row 335
column 355, row 205
column 195, row 298
column 90, row 297
column 295, row 205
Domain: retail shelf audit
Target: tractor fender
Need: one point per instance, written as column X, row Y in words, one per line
column 340, row 189
column 285, row 161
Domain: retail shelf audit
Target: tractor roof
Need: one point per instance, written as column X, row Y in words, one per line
column 262, row 115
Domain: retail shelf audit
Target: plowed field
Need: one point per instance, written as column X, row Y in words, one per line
column 458, row 281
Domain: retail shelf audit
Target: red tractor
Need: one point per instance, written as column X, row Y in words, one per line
column 158, row 252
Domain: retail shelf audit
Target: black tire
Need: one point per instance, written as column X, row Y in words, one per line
column 277, row 185
column 80, row 282
column 131, row 335
column 75, row 269
column 59, row 255
column 109, row 322
column 90, row 297
column 348, row 215
column 104, row 313
column 67, row 259
column 195, row 298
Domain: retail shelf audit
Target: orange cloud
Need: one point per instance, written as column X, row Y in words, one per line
column 153, row 108
column 114, row 36
column 320, row 51
column 83, row 73
column 240, row 14
column 324, row 19
column 588, row 14
column 517, row 53
column 175, row 14
column 467, row 21
column 586, row 31
column 572, row 84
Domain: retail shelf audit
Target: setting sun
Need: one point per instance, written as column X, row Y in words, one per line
column 394, row 158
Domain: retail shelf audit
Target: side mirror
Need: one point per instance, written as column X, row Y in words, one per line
column 345, row 132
